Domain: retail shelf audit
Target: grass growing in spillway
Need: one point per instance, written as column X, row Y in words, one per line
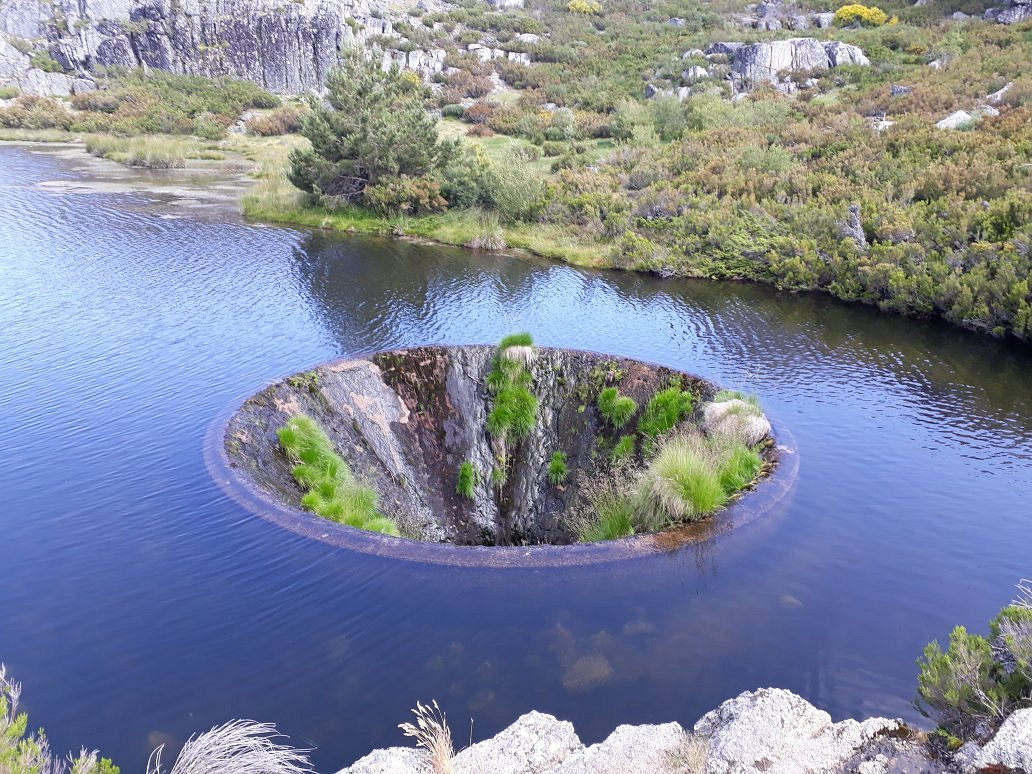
column 662, row 413
column 515, row 406
column 740, row 468
column 467, row 481
column 616, row 408
column 682, row 483
column 558, row 471
column 331, row 488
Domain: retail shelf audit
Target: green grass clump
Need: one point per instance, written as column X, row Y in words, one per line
column 514, row 412
column 683, row 483
column 558, row 471
column 740, row 468
column 664, row 410
column 517, row 340
column 331, row 489
column 515, row 408
column 467, row 480
column 616, row 408
column 623, row 449
column 613, row 516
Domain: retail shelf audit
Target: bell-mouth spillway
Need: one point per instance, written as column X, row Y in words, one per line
column 406, row 420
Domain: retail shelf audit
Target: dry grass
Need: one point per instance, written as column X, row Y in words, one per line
column 236, row 747
column 689, row 757
column 519, row 353
column 431, row 733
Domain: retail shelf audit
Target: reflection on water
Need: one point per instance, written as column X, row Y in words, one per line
column 141, row 605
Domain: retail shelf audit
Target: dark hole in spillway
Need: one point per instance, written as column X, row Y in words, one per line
column 406, row 422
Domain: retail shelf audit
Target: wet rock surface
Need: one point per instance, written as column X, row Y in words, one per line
column 406, row 420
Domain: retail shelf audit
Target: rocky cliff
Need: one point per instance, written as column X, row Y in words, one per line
column 769, row 730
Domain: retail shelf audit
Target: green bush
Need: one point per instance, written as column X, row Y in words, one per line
column 558, row 472
column 9, row 92
column 332, row 491
column 405, row 195
column 468, row 480
column 616, row 408
column 45, row 62
column 374, row 129
column 861, row 15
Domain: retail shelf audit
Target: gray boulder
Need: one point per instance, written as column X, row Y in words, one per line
column 762, row 62
column 735, row 419
column 628, row 750
column 393, row 760
column 1011, row 746
column 775, row 731
column 535, row 743
column 956, row 120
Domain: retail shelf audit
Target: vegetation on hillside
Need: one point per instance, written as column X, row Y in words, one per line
column 569, row 159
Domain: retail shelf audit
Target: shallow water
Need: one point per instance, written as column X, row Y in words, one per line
column 139, row 604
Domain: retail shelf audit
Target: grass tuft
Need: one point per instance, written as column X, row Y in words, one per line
column 516, row 340
column 616, row 408
column 468, row 479
column 623, row 450
column 740, row 468
column 331, row 489
column 431, row 732
column 664, row 410
column 558, row 472
column 612, row 515
column 682, row 483
column 236, row 747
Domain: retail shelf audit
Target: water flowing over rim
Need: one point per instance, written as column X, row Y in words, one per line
column 769, row 498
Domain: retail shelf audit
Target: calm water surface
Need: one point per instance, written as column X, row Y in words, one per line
column 138, row 604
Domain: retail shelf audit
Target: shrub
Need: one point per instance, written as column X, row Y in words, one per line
column 283, row 120
column 516, row 188
column 468, row 480
column 584, row 6
column 45, row 62
column 616, row 408
column 9, row 92
column 24, row 753
column 406, row 195
column 332, row 491
column 558, row 472
column 664, row 410
column 861, row 15
column 975, row 683
column 374, row 128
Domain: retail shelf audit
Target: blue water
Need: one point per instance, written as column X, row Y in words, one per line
column 139, row 605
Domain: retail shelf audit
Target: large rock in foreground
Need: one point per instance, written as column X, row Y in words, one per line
column 770, row 730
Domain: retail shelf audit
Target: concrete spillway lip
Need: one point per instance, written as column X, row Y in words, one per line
column 769, row 497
